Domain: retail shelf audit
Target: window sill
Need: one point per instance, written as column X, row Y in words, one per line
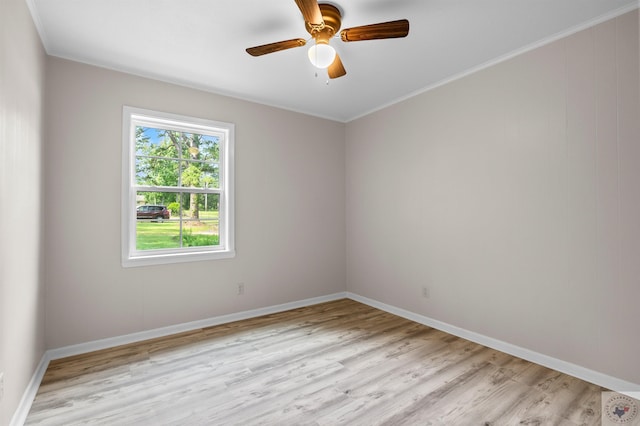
column 162, row 259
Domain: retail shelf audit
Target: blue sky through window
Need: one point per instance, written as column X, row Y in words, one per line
column 155, row 136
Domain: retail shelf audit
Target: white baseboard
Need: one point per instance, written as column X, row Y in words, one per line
column 595, row 377
column 24, row 406
column 600, row 379
column 188, row 326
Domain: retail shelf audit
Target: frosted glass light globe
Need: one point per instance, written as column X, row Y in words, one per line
column 321, row 55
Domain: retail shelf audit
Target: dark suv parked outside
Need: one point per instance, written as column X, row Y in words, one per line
column 156, row 212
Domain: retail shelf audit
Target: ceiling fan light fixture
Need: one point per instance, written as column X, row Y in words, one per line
column 321, row 55
column 323, row 22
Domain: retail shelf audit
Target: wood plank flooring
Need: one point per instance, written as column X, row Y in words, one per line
column 337, row 363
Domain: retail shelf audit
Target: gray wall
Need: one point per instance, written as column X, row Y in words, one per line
column 22, row 62
column 289, row 210
column 514, row 195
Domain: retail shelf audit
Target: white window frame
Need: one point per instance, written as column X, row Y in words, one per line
column 131, row 117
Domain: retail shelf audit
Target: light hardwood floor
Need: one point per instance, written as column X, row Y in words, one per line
column 330, row 364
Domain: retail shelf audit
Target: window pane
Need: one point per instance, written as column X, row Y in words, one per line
column 156, row 224
column 211, row 176
column 210, row 149
column 156, row 172
column 191, row 174
column 210, row 206
column 202, row 233
column 146, row 199
column 200, row 175
column 151, row 235
column 190, row 145
column 201, row 226
column 200, row 206
column 198, row 147
column 154, row 142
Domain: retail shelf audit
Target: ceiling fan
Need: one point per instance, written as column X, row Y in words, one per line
column 322, row 21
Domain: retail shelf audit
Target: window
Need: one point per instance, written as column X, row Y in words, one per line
column 177, row 188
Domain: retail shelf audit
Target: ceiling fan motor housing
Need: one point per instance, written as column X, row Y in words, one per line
column 332, row 21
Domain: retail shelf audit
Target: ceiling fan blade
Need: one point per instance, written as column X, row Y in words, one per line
column 310, row 12
column 392, row 29
column 336, row 69
column 276, row 47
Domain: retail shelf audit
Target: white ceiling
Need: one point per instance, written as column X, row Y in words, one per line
column 201, row 43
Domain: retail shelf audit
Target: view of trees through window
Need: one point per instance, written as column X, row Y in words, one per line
column 177, row 188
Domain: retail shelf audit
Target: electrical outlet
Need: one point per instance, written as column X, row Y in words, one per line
column 1, row 386
column 240, row 289
column 425, row 292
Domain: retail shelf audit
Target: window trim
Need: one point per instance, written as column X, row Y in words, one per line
column 129, row 255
